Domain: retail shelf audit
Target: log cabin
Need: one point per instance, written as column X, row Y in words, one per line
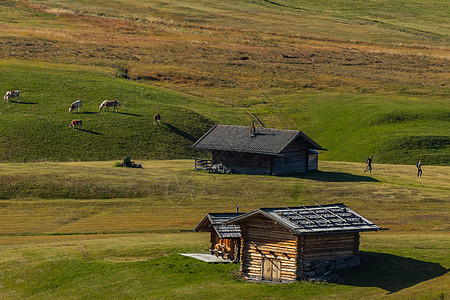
column 299, row 243
column 225, row 239
column 251, row 150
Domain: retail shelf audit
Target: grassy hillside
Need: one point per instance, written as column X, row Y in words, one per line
column 117, row 232
column 399, row 129
column 359, row 77
column 37, row 128
column 395, row 129
column 372, row 79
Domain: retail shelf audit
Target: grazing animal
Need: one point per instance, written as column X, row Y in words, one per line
column 11, row 94
column 76, row 105
column 156, row 119
column 109, row 103
column 76, row 124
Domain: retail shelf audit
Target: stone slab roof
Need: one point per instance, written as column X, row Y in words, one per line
column 215, row 221
column 318, row 219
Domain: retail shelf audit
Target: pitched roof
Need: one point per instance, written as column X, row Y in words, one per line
column 216, row 221
column 304, row 220
column 237, row 138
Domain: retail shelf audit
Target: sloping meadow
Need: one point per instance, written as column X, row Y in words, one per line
column 37, row 127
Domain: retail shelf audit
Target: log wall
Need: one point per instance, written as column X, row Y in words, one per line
column 232, row 245
column 264, row 243
column 294, row 159
column 263, row 239
column 313, row 162
column 327, row 246
column 244, row 163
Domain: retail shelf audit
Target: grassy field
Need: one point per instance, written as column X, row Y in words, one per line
column 374, row 77
column 395, row 129
column 359, row 77
column 118, row 232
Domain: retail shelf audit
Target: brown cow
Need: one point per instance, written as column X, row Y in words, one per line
column 76, row 124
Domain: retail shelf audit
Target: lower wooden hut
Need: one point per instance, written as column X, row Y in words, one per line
column 299, row 243
column 225, row 239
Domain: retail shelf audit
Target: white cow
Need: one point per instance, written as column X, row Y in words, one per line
column 110, row 103
column 76, row 105
column 11, row 94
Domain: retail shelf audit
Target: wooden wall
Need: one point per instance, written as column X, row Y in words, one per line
column 313, row 162
column 270, row 252
column 294, row 159
column 327, row 246
column 243, row 163
column 266, row 243
column 233, row 245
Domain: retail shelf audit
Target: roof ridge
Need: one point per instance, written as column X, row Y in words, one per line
column 265, row 128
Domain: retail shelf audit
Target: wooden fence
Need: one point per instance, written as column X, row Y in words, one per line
column 202, row 164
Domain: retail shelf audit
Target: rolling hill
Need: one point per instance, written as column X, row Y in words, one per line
column 370, row 80
column 359, row 77
column 396, row 129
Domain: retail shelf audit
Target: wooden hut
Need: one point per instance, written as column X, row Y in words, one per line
column 299, row 243
column 225, row 239
column 251, row 150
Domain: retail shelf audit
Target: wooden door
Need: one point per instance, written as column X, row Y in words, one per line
column 271, row 269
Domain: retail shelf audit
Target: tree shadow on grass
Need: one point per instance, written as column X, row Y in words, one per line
column 181, row 132
column 332, row 177
column 391, row 272
column 90, row 131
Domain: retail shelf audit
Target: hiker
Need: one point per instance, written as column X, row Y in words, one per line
column 369, row 164
column 419, row 168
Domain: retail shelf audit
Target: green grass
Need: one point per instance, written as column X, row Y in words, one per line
column 124, row 267
column 395, row 129
column 359, row 77
column 75, row 240
column 37, row 128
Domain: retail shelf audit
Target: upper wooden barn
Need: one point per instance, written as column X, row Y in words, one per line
column 250, row 150
column 225, row 239
column 295, row 243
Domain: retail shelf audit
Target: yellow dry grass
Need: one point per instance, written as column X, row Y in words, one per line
column 175, row 197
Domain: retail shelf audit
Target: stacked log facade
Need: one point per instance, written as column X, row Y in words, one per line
column 313, row 161
column 294, row 159
column 264, row 242
column 243, row 162
column 232, row 245
column 327, row 246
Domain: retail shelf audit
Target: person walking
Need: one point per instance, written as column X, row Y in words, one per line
column 419, row 168
column 369, row 164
